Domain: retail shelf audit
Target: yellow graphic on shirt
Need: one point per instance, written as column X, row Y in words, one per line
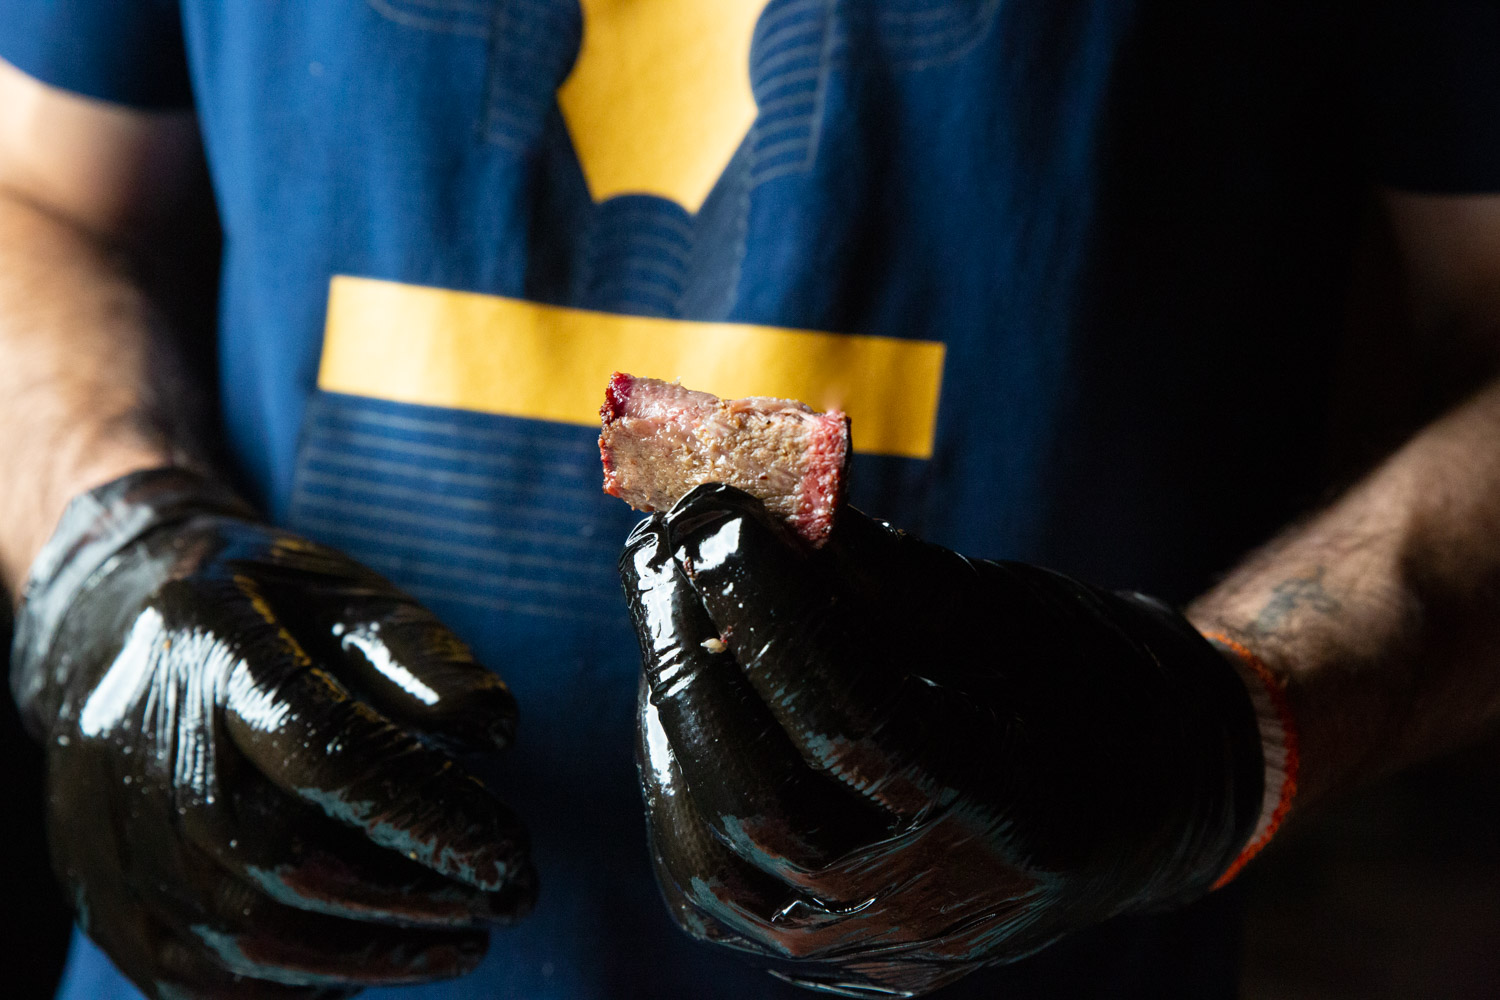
column 659, row 97
column 469, row 351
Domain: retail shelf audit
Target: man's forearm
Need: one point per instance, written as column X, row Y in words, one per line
column 88, row 390
column 1382, row 613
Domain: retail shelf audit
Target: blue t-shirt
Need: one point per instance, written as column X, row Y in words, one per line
column 1073, row 266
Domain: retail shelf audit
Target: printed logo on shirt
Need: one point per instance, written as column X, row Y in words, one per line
column 659, row 97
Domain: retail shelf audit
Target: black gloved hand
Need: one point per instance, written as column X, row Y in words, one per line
column 893, row 764
column 248, row 789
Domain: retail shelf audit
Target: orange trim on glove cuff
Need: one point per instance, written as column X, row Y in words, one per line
column 1279, row 742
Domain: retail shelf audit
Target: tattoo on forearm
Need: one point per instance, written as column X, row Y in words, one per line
column 1290, row 596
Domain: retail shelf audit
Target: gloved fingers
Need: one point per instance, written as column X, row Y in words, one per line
column 689, row 917
column 305, row 732
column 246, row 933
column 389, row 649
column 877, row 980
column 185, row 972
column 748, row 780
column 938, row 891
column 858, row 979
column 711, row 891
column 420, row 674
column 298, row 856
column 152, row 899
column 693, row 921
column 721, row 897
column 167, row 966
column 834, row 670
column 713, row 894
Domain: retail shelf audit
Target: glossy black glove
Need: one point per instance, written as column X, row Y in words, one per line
column 251, row 791
column 882, row 764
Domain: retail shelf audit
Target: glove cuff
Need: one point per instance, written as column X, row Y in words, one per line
column 94, row 527
column 1222, row 782
column 1279, row 744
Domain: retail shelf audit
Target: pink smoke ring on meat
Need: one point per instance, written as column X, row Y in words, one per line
column 659, row 440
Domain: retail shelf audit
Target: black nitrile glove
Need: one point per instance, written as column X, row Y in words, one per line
column 250, row 791
column 882, row 764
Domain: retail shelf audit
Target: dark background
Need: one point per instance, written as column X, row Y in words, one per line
column 33, row 920
column 1392, row 892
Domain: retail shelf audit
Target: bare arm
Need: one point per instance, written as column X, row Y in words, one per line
column 1382, row 613
column 89, row 389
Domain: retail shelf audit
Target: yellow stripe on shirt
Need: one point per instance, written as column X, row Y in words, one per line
column 468, row 351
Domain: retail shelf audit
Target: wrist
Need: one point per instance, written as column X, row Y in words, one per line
column 93, row 528
column 28, row 530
